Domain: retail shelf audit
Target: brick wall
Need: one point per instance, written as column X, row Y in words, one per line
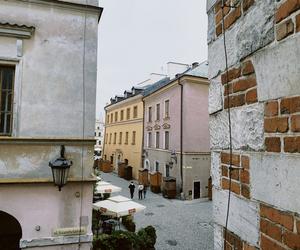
column 263, row 89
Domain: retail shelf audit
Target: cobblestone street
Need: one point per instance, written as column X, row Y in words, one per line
column 179, row 224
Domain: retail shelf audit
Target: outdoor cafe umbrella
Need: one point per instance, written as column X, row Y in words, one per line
column 118, row 206
column 103, row 187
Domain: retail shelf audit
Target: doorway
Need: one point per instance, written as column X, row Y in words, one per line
column 10, row 232
column 196, row 189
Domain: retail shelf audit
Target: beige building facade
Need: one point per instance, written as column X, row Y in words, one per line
column 124, row 130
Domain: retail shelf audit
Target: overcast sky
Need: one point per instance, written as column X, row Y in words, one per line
column 138, row 37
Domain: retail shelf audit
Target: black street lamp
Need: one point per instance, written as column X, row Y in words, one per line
column 60, row 169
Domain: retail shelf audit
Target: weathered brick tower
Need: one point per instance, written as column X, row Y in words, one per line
column 263, row 87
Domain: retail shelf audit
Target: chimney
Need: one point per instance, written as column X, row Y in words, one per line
column 195, row 65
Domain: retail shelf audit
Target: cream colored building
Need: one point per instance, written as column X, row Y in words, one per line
column 124, row 130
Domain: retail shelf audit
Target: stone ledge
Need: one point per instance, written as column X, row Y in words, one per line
column 53, row 241
column 15, row 30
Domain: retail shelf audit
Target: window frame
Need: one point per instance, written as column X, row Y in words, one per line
column 12, row 111
column 128, row 114
column 135, row 111
column 157, row 139
column 157, row 112
column 167, row 114
column 165, row 141
column 133, row 139
column 150, row 114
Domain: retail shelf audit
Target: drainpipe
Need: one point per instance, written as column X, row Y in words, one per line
column 181, row 133
column 143, row 139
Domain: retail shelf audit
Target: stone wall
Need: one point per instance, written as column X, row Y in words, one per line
column 263, row 87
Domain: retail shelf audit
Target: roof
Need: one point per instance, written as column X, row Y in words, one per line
column 199, row 71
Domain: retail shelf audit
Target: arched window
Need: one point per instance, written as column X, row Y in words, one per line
column 10, row 232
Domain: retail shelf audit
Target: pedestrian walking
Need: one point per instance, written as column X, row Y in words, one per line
column 145, row 191
column 141, row 188
column 131, row 189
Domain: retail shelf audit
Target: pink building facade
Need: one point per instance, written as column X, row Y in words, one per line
column 176, row 134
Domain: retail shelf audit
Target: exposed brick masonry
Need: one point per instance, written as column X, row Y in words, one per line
column 279, row 229
column 282, row 125
column 286, row 23
column 241, row 85
column 240, row 177
column 230, row 14
column 234, row 242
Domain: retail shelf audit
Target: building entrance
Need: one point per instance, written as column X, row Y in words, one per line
column 10, row 232
column 196, row 189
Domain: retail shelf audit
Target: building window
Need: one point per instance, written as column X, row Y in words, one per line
column 110, row 135
column 122, row 115
column 98, row 127
column 149, row 139
column 100, row 143
column 157, row 112
column 107, row 118
column 115, row 138
column 167, row 170
column 167, row 111
column 128, row 114
column 95, row 134
column 167, row 138
column 120, row 138
column 157, row 140
column 126, row 137
column 111, row 118
column 150, row 114
column 6, row 99
column 106, row 138
column 133, row 137
column 116, row 116
column 156, row 166
column 99, row 134
column 135, row 112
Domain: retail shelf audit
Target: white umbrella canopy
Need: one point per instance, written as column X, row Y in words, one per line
column 103, row 187
column 118, row 206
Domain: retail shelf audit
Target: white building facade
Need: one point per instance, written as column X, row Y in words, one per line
column 48, row 69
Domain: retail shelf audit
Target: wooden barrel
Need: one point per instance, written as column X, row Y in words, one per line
column 106, row 167
column 169, row 187
column 155, row 182
column 143, row 177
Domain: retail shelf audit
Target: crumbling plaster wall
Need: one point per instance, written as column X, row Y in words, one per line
column 274, row 176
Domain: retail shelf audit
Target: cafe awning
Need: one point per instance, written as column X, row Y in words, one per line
column 103, row 187
column 118, row 206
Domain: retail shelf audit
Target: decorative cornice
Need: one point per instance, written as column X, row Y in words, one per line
column 156, row 127
column 166, row 126
column 16, row 30
column 149, row 128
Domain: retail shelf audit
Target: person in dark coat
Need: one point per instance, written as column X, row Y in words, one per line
column 131, row 189
column 145, row 191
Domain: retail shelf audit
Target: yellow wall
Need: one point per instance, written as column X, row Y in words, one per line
column 126, row 151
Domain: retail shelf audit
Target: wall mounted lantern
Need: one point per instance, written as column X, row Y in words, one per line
column 60, row 169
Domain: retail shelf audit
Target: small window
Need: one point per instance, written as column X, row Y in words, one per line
column 167, row 138
column 122, row 115
column 6, row 99
column 150, row 114
column 110, row 135
column 95, row 134
column 149, row 139
column 116, row 116
column 167, row 170
column 135, row 112
column 157, row 112
column 106, row 138
column 115, row 138
column 167, row 106
column 120, row 137
column 156, row 166
column 111, row 118
column 100, row 143
column 157, row 140
column 133, row 137
column 107, row 118
column 128, row 114
column 126, row 137
column 99, row 134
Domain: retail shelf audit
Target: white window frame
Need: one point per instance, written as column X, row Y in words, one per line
column 149, row 135
column 157, row 132
column 157, row 115
column 165, row 140
column 165, row 108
